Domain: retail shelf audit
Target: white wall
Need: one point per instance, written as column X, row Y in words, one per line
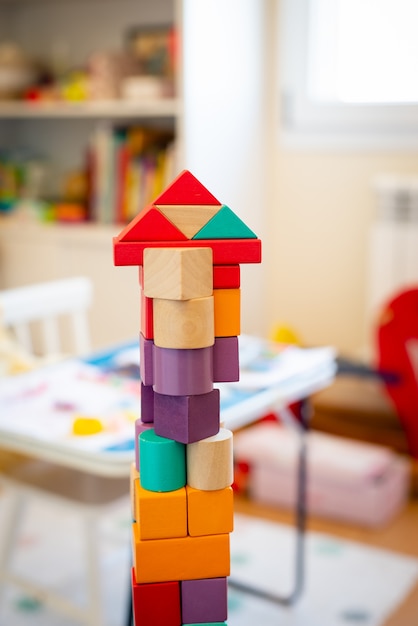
column 224, row 91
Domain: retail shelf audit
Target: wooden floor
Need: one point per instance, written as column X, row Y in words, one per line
column 401, row 535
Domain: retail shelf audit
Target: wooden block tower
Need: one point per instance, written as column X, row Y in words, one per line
column 188, row 247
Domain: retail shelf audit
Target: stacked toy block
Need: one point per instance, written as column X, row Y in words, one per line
column 188, row 247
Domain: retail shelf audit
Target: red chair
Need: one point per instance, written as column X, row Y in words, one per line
column 397, row 352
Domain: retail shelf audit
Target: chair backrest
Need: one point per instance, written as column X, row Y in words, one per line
column 46, row 303
column 397, row 349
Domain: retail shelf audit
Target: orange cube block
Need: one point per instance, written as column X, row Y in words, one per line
column 210, row 512
column 160, row 515
column 184, row 558
column 227, row 305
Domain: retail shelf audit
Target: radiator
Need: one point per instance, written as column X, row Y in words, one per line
column 393, row 250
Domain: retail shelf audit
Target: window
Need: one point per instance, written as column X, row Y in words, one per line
column 349, row 70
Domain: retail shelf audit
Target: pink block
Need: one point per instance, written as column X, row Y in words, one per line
column 146, row 360
column 187, row 418
column 183, row 372
column 225, row 360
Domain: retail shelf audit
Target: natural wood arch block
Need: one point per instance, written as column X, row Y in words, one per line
column 162, row 463
column 160, row 515
column 187, row 418
column 156, row 603
column 210, row 462
column 189, row 218
column 178, row 273
column 184, row 324
column 227, row 304
column 210, row 512
column 180, row 558
column 183, row 372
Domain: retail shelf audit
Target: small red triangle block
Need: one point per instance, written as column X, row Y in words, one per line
column 151, row 225
column 186, row 189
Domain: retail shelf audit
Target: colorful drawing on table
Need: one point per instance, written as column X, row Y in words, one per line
column 74, row 403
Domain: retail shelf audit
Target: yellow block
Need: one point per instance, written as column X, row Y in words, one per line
column 185, row 558
column 227, row 304
column 85, row 425
column 160, row 515
column 210, row 512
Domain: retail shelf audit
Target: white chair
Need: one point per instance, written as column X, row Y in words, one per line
column 26, row 477
column 46, row 303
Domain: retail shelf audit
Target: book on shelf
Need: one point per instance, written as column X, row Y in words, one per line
column 128, row 167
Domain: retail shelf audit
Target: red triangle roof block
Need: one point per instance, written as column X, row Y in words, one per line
column 186, row 189
column 151, row 225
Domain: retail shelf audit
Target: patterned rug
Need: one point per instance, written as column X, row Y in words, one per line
column 346, row 583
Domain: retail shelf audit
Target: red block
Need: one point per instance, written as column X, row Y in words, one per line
column 156, row 604
column 186, row 189
column 150, row 225
column 226, row 276
column 225, row 251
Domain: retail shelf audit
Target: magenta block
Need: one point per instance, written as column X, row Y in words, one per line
column 139, row 428
column 146, row 359
column 183, row 372
column 204, row 600
column 187, row 418
column 147, row 403
column 225, row 360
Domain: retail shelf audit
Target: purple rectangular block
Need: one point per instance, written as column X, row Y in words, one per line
column 186, row 372
column 146, row 359
column 147, row 403
column 139, row 428
column 187, row 418
column 204, row 600
column 225, row 360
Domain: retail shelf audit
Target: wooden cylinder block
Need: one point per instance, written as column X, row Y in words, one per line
column 162, row 462
column 184, row 324
column 210, row 462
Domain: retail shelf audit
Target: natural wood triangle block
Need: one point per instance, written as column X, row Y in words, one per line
column 151, row 225
column 188, row 218
column 186, row 189
column 225, row 224
column 178, row 273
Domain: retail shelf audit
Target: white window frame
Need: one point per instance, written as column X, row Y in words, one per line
column 305, row 123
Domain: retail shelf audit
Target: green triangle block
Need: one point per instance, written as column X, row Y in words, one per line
column 225, row 225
